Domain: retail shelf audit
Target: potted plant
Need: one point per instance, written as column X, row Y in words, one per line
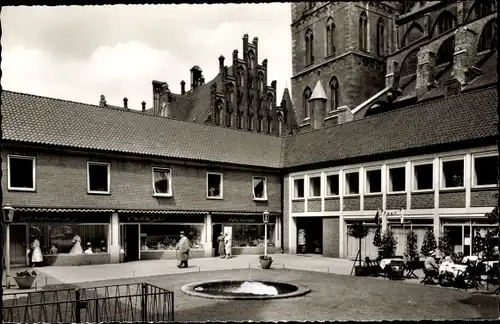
column 358, row 231
column 265, row 261
column 25, row 279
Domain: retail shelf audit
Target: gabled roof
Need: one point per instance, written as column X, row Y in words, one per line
column 40, row 120
column 455, row 119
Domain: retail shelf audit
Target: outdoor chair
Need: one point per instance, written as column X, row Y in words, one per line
column 492, row 277
column 373, row 267
column 395, row 270
column 429, row 277
column 473, row 273
column 411, row 266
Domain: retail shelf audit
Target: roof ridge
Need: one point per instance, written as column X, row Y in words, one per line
column 138, row 112
column 393, row 111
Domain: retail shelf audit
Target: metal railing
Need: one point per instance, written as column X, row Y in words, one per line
column 114, row 303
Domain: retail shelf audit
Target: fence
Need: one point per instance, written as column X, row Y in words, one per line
column 114, row 303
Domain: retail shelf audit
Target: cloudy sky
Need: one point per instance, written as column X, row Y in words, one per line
column 80, row 52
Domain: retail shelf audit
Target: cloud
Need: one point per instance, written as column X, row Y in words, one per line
column 79, row 53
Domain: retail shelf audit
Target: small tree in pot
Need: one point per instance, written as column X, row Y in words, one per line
column 358, row 231
column 444, row 244
column 411, row 245
column 429, row 243
column 389, row 243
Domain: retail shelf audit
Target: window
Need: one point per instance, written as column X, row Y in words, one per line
column 397, row 177
column 332, row 185
column 241, row 76
column 481, row 8
column 261, row 82
column 218, row 113
column 445, row 22
column 488, row 38
column 363, row 32
column 352, row 183
column 162, row 182
column 453, row 173
column 214, row 185
column 309, row 42
column 409, row 65
column 21, row 173
column 485, row 170
column 259, row 188
column 330, row 37
column 166, row 236
column 445, row 51
column 251, row 234
column 280, row 124
column 381, row 37
column 298, row 188
column 306, row 104
column 251, row 59
column 98, row 177
column 230, row 93
column 414, row 33
column 373, row 181
column 423, row 177
column 334, row 94
column 315, row 186
column 270, row 100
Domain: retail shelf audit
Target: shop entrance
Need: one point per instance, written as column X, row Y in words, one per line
column 310, row 235
column 130, row 235
column 216, row 230
column 18, row 245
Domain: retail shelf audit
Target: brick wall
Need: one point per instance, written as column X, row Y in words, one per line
column 351, row 203
column 483, row 197
column 298, row 206
column 314, row 205
column 332, row 204
column 331, row 237
column 61, row 181
column 396, row 201
column 422, row 200
column 452, row 199
column 373, row 202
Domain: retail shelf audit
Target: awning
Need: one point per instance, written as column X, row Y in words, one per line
column 168, row 212
column 62, row 210
column 244, row 213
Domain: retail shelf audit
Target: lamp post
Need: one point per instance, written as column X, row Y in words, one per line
column 8, row 217
column 265, row 216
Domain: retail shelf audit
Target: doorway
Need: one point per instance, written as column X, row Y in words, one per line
column 18, row 245
column 216, row 230
column 131, row 242
column 310, row 235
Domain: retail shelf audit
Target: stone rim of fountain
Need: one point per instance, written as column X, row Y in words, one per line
column 189, row 290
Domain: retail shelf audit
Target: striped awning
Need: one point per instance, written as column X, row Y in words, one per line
column 229, row 213
column 62, row 210
column 167, row 212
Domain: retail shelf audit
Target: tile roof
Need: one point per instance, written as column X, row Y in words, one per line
column 445, row 121
column 40, row 120
column 201, row 104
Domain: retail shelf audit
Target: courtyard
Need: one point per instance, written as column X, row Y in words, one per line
column 334, row 294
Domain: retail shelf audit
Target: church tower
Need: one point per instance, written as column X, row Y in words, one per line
column 342, row 45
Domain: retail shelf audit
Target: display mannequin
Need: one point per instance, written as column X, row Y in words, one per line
column 77, row 247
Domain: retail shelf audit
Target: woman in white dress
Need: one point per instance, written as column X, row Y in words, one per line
column 37, row 256
column 228, row 244
column 77, row 247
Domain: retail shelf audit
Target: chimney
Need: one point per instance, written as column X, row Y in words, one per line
column 317, row 102
column 425, row 71
column 256, row 45
column 245, row 47
column 196, row 77
column 125, row 103
column 102, row 102
column 235, row 60
column 143, row 106
column 183, row 87
column 221, row 63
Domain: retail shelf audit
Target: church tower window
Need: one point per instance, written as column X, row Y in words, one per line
column 363, row 32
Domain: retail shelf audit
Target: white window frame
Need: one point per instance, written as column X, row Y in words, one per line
column 265, row 188
column 109, row 178
column 309, row 177
column 346, row 185
column 442, row 181
column 389, row 183
column 159, row 194
column 414, row 175
column 337, row 173
column 221, row 196
column 33, row 163
column 293, row 188
column 473, row 169
column 368, row 169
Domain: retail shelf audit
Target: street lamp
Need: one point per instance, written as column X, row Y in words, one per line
column 265, row 216
column 8, row 217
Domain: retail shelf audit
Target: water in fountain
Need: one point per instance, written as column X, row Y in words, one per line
column 255, row 288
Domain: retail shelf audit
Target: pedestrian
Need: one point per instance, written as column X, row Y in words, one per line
column 220, row 240
column 227, row 241
column 183, row 251
column 36, row 257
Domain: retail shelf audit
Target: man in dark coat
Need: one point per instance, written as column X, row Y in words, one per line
column 220, row 240
column 183, row 251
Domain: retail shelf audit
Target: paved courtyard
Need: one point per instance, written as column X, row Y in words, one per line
column 334, row 295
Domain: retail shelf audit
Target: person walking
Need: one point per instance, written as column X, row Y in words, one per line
column 183, row 251
column 220, row 240
column 228, row 242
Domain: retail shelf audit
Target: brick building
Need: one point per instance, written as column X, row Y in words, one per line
column 394, row 107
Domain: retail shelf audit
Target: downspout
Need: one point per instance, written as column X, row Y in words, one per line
column 282, row 226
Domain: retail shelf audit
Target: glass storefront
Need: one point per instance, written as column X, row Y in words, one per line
column 461, row 235
column 166, row 236
column 249, row 235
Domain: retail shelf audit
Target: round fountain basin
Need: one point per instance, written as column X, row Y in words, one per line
column 244, row 289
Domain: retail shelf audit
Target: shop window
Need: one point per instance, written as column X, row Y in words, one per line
column 397, row 181
column 332, row 184
column 252, row 235
column 162, row 182
column 453, row 174
column 485, row 169
column 98, row 177
column 214, row 185
column 259, row 188
column 352, row 183
column 21, row 173
column 298, row 188
column 166, row 236
column 63, row 238
column 374, row 181
column 315, row 186
column 423, row 177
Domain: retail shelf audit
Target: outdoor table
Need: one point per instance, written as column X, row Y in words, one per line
column 452, row 268
column 386, row 262
column 471, row 258
column 489, row 264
